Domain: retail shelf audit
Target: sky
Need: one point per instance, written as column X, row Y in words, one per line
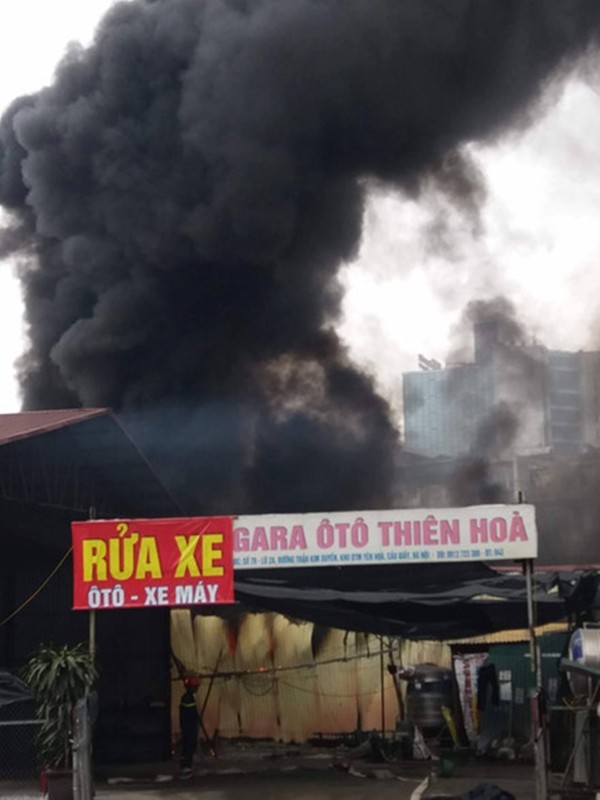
column 539, row 247
column 538, row 241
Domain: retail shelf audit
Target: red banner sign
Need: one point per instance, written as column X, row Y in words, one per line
column 151, row 563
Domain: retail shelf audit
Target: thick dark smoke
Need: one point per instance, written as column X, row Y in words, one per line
column 495, row 322
column 519, row 379
column 183, row 195
column 473, row 481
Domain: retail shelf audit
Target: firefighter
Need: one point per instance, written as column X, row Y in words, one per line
column 189, row 720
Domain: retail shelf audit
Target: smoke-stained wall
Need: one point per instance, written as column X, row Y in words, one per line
column 183, row 194
column 291, row 681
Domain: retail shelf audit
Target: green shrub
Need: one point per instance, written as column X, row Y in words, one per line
column 58, row 676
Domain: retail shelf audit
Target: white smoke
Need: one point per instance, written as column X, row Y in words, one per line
column 539, row 247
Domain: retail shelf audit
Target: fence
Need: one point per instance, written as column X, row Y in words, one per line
column 19, row 772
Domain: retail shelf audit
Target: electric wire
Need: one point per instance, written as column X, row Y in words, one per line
column 319, row 692
column 40, row 588
column 265, row 671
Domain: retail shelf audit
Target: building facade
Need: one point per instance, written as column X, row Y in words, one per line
column 514, row 398
column 519, row 422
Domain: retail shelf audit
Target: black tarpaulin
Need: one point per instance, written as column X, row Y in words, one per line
column 421, row 601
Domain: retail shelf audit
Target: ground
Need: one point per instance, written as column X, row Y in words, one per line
column 267, row 771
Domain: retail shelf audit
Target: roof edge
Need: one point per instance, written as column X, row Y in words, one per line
column 79, row 415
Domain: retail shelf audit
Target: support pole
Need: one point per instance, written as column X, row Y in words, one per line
column 92, row 613
column 382, row 678
column 538, row 723
column 528, row 568
column 92, row 634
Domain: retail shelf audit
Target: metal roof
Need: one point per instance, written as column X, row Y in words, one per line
column 32, row 423
column 513, row 636
column 93, row 438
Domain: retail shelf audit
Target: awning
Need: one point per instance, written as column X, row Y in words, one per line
column 431, row 601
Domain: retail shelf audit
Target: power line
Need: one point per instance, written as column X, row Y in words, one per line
column 272, row 670
column 40, row 588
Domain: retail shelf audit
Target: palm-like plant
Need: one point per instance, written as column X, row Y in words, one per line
column 58, row 676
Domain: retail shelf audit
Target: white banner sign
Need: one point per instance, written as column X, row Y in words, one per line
column 415, row 536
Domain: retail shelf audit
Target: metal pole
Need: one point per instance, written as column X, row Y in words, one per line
column 538, row 724
column 528, row 566
column 92, row 613
column 382, row 677
column 92, row 634
column 212, row 744
column 537, row 720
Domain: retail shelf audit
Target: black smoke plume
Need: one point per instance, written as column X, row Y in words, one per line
column 473, row 481
column 183, row 194
column 519, row 378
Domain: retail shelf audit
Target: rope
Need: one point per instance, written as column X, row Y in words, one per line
column 40, row 588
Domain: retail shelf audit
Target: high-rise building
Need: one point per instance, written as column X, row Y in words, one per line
column 518, row 421
column 564, row 401
column 514, row 398
column 590, row 398
column 442, row 408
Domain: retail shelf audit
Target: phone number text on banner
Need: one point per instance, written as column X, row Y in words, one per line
column 152, row 562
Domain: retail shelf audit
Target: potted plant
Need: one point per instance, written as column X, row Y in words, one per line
column 58, row 676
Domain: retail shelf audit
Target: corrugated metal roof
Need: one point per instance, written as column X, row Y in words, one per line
column 512, row 636
column 93, row 437
column 32, row 423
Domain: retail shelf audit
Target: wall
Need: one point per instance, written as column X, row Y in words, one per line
column 305, row 682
